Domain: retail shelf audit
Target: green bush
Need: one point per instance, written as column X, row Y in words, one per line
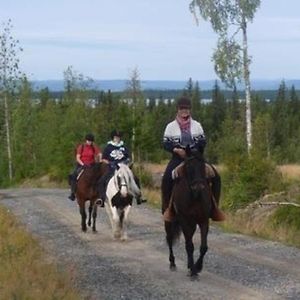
column 287, row 215
column 245, row 182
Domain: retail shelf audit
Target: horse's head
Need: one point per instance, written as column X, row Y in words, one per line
column 194, row 167
column 124, row 181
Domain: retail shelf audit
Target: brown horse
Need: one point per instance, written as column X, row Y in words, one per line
column 87, row 190
column 191, row 200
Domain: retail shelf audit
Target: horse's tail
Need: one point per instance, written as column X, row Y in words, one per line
column 173, row 231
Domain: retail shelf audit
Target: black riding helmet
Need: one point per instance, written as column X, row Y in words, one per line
column 184, row 102
column 115, row 133
column 89, row 137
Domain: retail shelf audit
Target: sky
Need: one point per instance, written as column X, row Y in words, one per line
column 107, row 39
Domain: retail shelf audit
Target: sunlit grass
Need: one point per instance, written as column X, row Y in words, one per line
column 25, row 271
column 153, row 196
column 290, row 171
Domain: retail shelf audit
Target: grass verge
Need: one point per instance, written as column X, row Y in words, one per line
column 25, row 271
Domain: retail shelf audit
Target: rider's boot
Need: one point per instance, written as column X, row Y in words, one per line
column 216, row 213
column 140, row 200
column 73, row 188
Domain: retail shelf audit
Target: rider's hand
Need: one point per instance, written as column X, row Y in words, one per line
column 180, row 152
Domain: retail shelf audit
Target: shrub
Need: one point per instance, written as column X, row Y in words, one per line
column 287, row 216
column 245, row 182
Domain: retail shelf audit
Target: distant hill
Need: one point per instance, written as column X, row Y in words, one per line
column 120, row 84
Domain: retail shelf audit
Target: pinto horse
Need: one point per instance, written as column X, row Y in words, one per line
column 121, row 189
column 191, row 200
column 87, row 191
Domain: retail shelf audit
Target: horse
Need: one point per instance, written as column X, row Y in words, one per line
column 87, row 191
column 120, row 191
column 192, row 205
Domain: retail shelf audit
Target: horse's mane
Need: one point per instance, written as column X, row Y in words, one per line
column 126, row 171
column 94, row 172
column 197, row 158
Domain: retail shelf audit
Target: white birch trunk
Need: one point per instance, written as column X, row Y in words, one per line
column 8, row 143
column 247, row 86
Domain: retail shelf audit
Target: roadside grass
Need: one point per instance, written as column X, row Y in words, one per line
column 274, row 222
column 153, row 196
column 25, row 270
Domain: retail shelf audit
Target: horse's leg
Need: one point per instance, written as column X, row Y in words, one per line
column 125, row 224
column 90, row 213
column 116, row 222
column 83, row 215
column 94, row 212
column 203, row 247
column 188, row 229
column 170, row 237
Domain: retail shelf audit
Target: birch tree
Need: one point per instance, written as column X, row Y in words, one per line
column 9, row 76
column 229, row 19
column 135, row 95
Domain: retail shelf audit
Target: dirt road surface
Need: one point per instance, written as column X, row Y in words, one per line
column 235, row 267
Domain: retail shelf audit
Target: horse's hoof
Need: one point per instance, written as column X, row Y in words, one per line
column 94, row 230
column 124, row 238
column 193, row 274
column 173, row 267
column 194, row 277
column 83, row 229
column 117, row 235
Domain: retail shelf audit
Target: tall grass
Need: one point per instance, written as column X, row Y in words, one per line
column 25, row 272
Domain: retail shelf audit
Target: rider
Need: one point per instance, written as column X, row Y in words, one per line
column 86, row 154
column 179, row 133
column 114, row 153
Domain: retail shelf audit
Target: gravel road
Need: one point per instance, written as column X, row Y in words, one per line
column 235, row 267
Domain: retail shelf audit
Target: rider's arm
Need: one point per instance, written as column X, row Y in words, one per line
column 169, row 140
column 106, row 152
column 99, row 157
column 127, row 154
column 199, row 138
column 98, row 154
column 79, row 161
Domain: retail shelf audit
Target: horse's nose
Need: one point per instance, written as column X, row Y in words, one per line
column 123, row 191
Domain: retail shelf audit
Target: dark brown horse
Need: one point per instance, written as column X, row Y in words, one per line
column 191, row 200
column 87, row 191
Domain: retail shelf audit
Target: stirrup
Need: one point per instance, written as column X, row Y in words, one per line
column 140, row 201
column 100, row 202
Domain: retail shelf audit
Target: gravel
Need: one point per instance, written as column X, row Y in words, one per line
column 235, row 267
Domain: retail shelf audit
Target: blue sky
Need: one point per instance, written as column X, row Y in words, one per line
column 106, row 39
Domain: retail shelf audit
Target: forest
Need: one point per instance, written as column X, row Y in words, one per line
column 45, row 130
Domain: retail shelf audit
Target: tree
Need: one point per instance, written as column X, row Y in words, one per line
column 76, row 84
column 9, row 77
column 135, row 97
column 189, row 88
column 228, row 18
column 280, row 128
